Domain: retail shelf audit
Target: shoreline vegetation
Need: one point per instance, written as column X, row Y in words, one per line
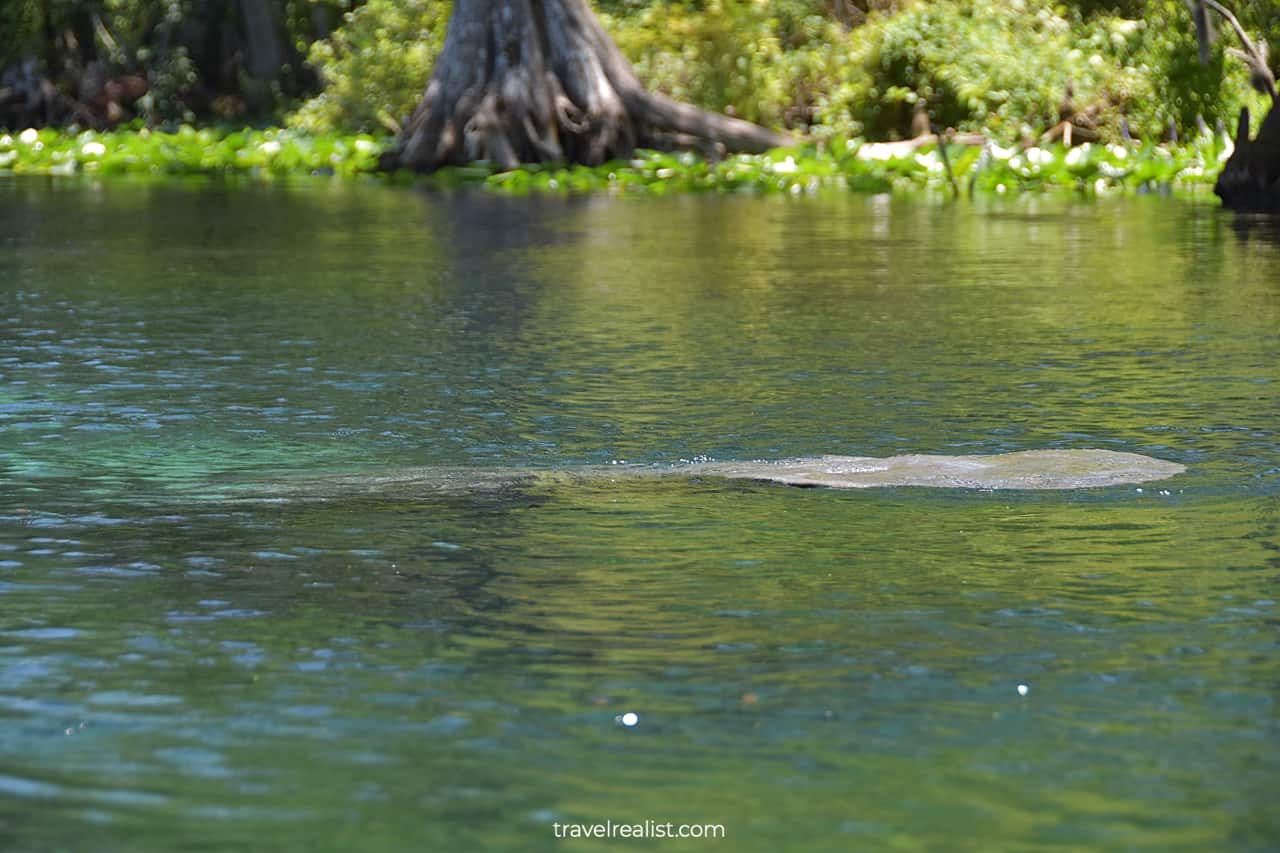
column 1086, row 96
column 852, row 165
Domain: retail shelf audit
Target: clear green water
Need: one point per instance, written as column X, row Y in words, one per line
column 183, row 670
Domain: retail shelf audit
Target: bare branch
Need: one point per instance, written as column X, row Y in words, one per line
column 1253, row 55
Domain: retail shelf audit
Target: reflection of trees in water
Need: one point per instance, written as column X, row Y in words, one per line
column 840, row 315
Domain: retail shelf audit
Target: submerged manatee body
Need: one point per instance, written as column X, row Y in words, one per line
column 1026, row 469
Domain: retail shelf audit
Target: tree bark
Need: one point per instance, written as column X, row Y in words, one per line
column 265, row 49
column 1250, row 179
column 530, row 81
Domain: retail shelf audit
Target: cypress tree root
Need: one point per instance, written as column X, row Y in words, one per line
column 533, row 81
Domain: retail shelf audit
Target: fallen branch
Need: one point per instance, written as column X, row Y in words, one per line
column 907, row 147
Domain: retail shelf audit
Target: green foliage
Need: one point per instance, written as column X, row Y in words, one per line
column 794, row 66
column 193, row 53
column 765, row 62
column 20, row 24
column 1179, row 87
column 375, row 66
column 1003, row 66
column 1000, row 66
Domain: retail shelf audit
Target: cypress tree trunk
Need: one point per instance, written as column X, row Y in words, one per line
column 528, row 81
column 265, row 48
column 1250, row 179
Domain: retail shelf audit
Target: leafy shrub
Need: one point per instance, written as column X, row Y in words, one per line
column 375, row 66
column 998, row 65
column 765, row 62
column 1003, row 65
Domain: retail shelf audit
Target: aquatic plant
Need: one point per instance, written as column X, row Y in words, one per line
column 187, row 151
column 836, row 165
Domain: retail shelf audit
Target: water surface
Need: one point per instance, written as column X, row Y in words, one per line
column 813, row 669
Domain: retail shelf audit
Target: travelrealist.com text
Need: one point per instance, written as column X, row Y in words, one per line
column 646, row 829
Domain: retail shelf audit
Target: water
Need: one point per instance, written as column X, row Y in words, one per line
column 183, row 669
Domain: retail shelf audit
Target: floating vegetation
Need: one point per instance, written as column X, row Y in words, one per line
column 187, row 151
column 877, row 167
column 839, row 165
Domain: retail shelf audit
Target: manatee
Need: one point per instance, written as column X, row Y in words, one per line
column 1024, row 469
